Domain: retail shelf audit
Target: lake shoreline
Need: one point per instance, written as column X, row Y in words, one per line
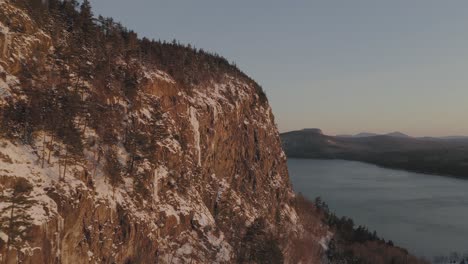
column 409, row 208
column 387, row 167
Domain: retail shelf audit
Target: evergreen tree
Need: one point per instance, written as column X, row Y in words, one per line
column 113, row 168
column 15, row 221
column 259, row 246
column 86, row 23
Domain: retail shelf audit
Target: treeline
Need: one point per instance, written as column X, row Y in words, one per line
column 102, row 40
column 454, row 257
column 353, row 244
column 346, row 228
column 258, row 245
column 450, row 161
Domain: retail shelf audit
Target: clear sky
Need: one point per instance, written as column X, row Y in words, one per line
column 342, row 66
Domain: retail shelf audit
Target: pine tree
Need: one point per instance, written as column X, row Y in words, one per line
column 113, row 168
column 259, row 246
column 86, row 22
column 15, row 221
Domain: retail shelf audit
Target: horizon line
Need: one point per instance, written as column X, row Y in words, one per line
column 367, row 132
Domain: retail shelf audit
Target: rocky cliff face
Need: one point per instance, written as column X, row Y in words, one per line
column 168, row 174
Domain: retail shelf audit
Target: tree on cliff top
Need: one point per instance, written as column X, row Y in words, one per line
column 77, row 33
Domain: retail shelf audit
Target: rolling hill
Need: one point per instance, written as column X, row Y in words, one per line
column 444, row 156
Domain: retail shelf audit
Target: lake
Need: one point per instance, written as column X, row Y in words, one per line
column 427, row 214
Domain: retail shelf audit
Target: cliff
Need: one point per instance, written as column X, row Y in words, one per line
column 132, row 157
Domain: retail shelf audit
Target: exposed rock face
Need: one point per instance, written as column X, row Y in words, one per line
column 213, row 166
column 19, row 38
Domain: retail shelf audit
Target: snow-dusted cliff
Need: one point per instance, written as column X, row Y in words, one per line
column 166, row 175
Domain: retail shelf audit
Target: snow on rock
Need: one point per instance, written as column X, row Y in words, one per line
column 145, row 115
column 199, row 156
column 20, row 161
column 291, row 214
column 224, row 250
column 160, row 173
column 217, row 95
column 277, row 181
column 324, row 241
column 171, row 144
column 223, row 186
column 196, row 132
column 204, row 217
column 3, row 236
column 186, row 249
column 29, row 251
column 158, row 75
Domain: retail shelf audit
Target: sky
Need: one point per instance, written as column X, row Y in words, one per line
column 339, row 65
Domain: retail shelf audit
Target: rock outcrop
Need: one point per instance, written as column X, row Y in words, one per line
column 169, row 174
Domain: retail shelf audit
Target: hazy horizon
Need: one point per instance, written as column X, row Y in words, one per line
column 342, row 66
column 324, row 131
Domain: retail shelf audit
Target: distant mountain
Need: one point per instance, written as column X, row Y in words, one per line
column 368, row 134
column 397, row 134
column 365, row 134
column 344, row 135
column 445, row 156
column 313, row 130
column 455, row 137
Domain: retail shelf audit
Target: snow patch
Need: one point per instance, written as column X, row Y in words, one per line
column 158, row 74
column 29, row 251
column 324, row 241
column 3, row 236
column 291, row 214
column 159, row 174
column 223, row 186
column 171, row 144
column 196, row 132
column 186, row 249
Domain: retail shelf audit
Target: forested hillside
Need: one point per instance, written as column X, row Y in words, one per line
column 443, row 156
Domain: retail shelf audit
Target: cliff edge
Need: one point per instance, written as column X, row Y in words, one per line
column 127, row 150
